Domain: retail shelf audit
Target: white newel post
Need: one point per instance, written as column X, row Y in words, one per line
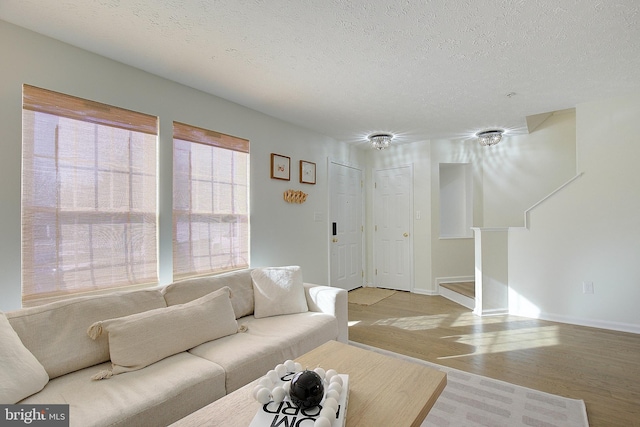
column 491, row 265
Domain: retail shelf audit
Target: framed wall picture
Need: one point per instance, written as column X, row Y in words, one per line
column 307, row 172
column 280, row 167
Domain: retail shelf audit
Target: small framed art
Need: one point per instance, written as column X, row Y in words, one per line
column 280, row 167
column 307, row 172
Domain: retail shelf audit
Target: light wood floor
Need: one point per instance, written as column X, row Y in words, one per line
column 599, row 366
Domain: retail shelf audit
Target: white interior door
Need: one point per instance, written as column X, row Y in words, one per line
column 392, row 230
column 345, row 226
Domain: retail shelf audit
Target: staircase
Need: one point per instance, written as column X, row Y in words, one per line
column 463, row 293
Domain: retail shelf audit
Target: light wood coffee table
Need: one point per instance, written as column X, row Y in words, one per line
column 383, row 390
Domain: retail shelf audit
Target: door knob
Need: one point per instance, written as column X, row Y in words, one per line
column 334, row 240
column 405, row 234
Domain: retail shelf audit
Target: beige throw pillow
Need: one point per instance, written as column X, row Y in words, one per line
column 278, row 290
column 141, row 339
column 21, row 374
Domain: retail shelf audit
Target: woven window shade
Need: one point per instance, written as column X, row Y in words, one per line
column 210, row 202
column 88, row 196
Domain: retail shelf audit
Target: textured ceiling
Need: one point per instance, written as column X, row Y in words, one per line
column 420, row 69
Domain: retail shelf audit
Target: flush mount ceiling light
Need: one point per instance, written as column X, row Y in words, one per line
column 487, row 138
column 380, row 141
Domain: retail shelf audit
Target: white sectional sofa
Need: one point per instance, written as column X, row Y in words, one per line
column 255, row 338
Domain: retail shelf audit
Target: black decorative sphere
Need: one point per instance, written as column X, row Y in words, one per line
column 307, row 389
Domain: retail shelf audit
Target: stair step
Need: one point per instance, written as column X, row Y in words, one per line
column 468, row 289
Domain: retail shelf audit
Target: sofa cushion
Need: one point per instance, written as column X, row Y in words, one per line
column 141, row 339
column 21, row 375
column 155, row 396
column 267, row 342
column 48, row 333
column 238, row 281
column 277, row 291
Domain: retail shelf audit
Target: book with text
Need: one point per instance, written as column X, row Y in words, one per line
column 286, row 414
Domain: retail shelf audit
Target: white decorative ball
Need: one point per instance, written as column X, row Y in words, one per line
column 273, row 376
column 281, row 369
column 278, row 394
column 336, row 379
column 320, row 372
column 298, row 367
column 290, row 365
column 322, row 422
column 254, row 393
column 330, row 374
column 330, row 402
column 263, row 396
column 335, row 386
column 286, row 386
column 328, row 412
column 334, row 394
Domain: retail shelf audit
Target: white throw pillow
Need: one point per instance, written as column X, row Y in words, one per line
column 141, row 339
column 278, row 290
column 21, row 375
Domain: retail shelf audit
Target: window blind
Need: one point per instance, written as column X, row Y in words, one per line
column 89, row 190
column 210, row 201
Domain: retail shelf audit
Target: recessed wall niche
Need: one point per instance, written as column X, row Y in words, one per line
column 456, row 200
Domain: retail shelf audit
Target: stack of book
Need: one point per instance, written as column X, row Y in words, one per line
column 286, row 414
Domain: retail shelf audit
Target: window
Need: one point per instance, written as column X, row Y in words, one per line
column 88, row 196
column 210, row 201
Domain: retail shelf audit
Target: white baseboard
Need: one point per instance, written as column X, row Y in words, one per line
column 464, row 301
column 454, row 279
column 492, row 312
column 424, row 292
column 580, row 321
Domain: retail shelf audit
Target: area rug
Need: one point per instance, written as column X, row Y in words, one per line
column 369, row 296
column 473, row 400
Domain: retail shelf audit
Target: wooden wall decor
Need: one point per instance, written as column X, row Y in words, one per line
column 295, row 196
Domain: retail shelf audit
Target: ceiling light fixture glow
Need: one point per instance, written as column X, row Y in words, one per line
column 380, row 141
column 491, row 137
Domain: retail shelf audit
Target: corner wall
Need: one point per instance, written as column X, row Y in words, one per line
column 588, row 231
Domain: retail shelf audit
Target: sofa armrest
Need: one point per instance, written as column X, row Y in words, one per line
column 334, row 301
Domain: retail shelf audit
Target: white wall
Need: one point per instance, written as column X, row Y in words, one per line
column 522, row 169
column 281, row 233
column 456, row 199
column 492, row 276
column 588, row 231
